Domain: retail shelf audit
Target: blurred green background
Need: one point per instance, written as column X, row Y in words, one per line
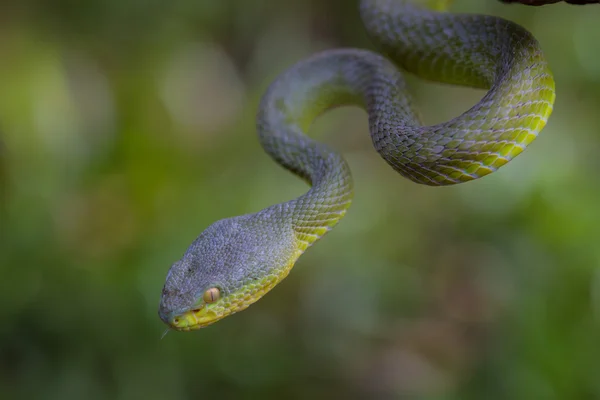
column 127, row 127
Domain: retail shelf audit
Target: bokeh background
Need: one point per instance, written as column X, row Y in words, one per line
column 127, row 127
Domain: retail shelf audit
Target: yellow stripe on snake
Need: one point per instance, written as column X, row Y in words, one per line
column 235, row 261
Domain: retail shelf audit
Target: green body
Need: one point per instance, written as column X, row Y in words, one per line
column 244, row 257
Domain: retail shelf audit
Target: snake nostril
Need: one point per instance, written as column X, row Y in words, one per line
column 176, row 320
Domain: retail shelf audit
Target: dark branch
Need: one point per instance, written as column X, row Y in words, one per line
column 544, row 2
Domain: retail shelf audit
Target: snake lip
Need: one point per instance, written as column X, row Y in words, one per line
column 193, row 319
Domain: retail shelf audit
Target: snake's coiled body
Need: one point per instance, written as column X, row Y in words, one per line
column 246, row 256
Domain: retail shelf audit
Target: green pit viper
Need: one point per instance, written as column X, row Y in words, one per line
column 236, row 261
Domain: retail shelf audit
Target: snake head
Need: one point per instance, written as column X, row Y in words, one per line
column 231, row 265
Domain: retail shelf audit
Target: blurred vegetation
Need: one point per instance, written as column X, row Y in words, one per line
column 127, row 127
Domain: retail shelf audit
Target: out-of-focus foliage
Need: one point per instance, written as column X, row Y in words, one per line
column 128, row 127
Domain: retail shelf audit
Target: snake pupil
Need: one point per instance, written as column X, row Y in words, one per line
column 211, row 295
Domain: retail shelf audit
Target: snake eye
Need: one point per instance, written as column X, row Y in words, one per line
column 211, row 295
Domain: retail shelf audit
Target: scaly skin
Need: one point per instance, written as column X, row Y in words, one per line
column 246, row 256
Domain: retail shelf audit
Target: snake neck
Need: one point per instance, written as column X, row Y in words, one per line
column 316, row 212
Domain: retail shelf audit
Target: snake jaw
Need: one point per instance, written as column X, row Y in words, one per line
column 204, row 314
column 195, row 319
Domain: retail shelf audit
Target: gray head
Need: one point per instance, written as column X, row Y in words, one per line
column 232, row 264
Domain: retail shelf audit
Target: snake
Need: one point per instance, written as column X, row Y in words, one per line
column 235, row 261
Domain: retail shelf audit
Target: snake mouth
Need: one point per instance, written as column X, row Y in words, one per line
column 194, row 319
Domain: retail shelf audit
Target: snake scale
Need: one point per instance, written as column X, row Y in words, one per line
column 235, row 261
